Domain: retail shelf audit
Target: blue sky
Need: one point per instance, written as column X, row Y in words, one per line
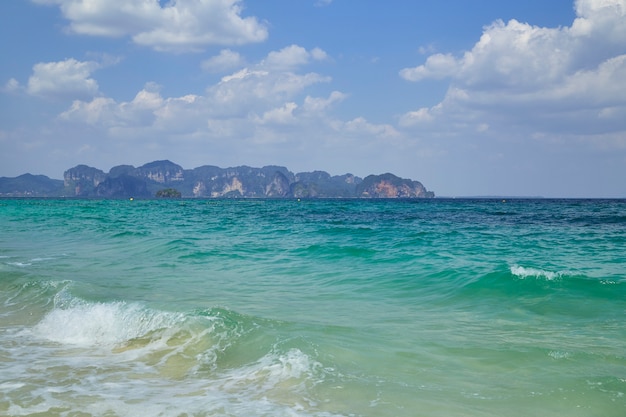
column 486, row 97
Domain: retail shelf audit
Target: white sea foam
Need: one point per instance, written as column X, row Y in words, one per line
column 20, row 264
column 130, row 378
column 41, row 259
column 100, row 324
column 557, row 354
column 523, row 272
column 274, row 370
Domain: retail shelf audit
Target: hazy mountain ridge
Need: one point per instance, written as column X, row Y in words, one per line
column 209, row 181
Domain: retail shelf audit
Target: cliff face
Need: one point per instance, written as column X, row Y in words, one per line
column 243, row 181
column 82, row 180
column 390, row 186
column 319, row 184
column 163, row 172
column 207, row 181
column 122, row 186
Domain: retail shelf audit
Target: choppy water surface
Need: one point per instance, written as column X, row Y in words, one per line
column 313, row 308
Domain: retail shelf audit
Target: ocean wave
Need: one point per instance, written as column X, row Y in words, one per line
column 193, row 362
column 24, row 302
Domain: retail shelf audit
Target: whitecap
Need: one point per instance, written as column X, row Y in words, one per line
column 557, row 354
column 20, row 264
column 275, row 371
column 523, row 272
column 99, row 324
column 41, row 259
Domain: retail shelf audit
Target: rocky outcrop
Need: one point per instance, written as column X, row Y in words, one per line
column 278, row 186
column 168, row 193
column 391, row 186
column 82, row 180
column 162, row 172
column 121, row 187
column 122, row 170
column 238, row 182
column 319, row 184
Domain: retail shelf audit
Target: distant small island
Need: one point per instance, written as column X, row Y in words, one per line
column 168, row 193
column 165, row 179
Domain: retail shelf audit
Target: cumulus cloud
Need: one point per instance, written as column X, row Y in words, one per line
column 267, row 92
column 272, row 82
column 280, row 115
column 226, row 60
column 251, row 90
column 437, row 66
column 263, row 93
column 144, row 110
column 535, row 77
column 319, row 104
column 100, row 110
column 598, row 18
column 68, row 78
column 506, row 56
column 415, row 117
column 178, row 26
column 292, row 57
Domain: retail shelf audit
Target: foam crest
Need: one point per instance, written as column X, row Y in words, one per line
column 522, row 272
column 101, row 324
column 25, row 263
column 275, row 372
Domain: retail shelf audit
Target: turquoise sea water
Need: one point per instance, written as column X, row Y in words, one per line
column 313, row 308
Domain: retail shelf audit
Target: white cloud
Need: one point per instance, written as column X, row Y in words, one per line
column 99, row 111
column 178, row 26
column 226, row 60
column 318, row 54
column 11, row 86
column 269, row 88
column 270, row 83
column 261, row 94
column 280, row 115
column 506, row 56
column 319, row 105
column 520, row 77
column 360, row 125
column 437, row 66
column 145, row 110
column 69, row 78
column 254, row 90
column 598, row 17
column 418, row 116
column 292, row 57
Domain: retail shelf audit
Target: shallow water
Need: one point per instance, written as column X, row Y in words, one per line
column 313, row 308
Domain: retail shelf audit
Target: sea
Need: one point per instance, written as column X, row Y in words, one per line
column 373, row 308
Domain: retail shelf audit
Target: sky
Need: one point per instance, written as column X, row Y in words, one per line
column 471, row 98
